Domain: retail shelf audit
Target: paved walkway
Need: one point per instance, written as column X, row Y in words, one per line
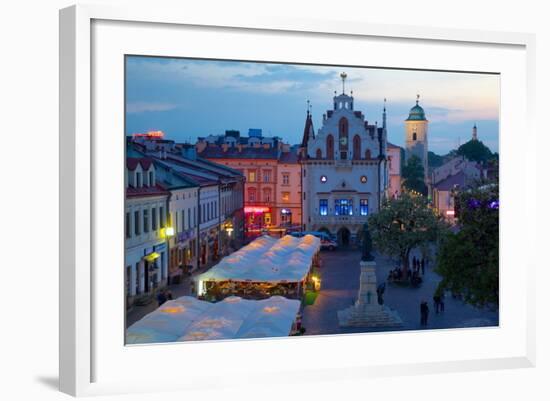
column 340, row 283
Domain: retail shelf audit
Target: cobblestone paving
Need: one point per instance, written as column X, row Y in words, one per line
column 340, row 283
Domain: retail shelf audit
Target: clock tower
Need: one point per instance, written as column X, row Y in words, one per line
column 416, row 136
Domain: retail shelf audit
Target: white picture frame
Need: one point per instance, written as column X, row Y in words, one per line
column 85, row 329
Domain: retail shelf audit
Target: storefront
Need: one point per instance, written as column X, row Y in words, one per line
column 257, row 218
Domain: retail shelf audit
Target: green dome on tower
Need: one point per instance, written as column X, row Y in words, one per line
column 417, row 113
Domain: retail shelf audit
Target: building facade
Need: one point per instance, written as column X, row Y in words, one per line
column 344, row 170
column 146, row 219
column 267, row 165
column 394, row 170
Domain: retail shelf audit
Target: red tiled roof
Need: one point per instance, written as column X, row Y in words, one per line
column 132, row 162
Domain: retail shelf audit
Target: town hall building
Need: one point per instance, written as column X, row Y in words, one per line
column 344, row 169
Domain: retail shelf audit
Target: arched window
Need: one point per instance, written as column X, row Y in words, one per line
column 330, row 147
column 318, row 154
column 414, row 136
column 356, row 147
column 367, row 154
column 343, row 130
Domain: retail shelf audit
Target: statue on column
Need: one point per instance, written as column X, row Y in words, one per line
column 366, row 245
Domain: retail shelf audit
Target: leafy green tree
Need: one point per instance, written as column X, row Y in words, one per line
column 413, row 175
column 475, row 151
column 403, row 224
column 468, row 259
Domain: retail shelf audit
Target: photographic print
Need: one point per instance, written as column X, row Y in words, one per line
column 273, row 199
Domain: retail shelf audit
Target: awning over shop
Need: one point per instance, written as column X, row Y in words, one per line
column 189, row 319
column 267, row 259
column 152, row 256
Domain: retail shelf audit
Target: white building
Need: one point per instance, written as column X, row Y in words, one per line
column 146, row 208
column 345, row 175
column 394, row 168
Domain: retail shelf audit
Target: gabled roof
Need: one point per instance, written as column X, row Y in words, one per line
column 157, row 190
column 133, row 162
column 449, row 183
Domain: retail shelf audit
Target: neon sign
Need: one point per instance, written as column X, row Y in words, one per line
column 256, row 209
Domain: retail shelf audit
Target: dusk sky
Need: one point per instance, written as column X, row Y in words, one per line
column 190, row 98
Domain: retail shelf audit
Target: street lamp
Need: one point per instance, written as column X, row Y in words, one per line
column 168, row 233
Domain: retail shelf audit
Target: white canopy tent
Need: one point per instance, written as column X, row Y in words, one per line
column 189, row 319
column 267, row 260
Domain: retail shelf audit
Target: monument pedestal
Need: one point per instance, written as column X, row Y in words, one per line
column 366, row 312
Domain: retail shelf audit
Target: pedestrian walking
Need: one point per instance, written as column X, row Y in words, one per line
column 437, row 302
column 161, row 297
column 424, row 311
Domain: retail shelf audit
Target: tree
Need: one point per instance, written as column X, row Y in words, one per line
column 403, row 224
column 468, row 259
column 413, row 175
column 475, row 151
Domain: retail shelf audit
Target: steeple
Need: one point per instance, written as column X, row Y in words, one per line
column 384, row 115
column 308, row 128
column 474, row 133
column 343, row 76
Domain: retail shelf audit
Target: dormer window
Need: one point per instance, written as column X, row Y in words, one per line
column 138, row 180
column 151, row 179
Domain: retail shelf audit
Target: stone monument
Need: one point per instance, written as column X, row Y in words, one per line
column 367, row 312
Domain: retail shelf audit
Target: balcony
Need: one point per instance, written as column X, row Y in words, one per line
column 355, row 219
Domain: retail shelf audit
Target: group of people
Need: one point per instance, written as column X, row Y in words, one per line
column 413, row 275
column 163, row 296
column 439, row 306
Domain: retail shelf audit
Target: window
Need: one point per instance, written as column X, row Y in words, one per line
column 267, row 195
column 356, row 147
column 182, row 227
column 343, row 207
column 367, row 154
column 128, row 232
column 151, row 179
column 318, row 154
column 286, row 179
column 323, row 207
column 364, row 207
column 330, row 147
column 267, row 175
column 286, row 196
column 323, row 179
column 252, row 195
column 138, row 180
column 414, row 136
column 154, row 219
column 136, row 223
column 146, row 221
column 252, row 175
column 161, row 217
column 363, row 179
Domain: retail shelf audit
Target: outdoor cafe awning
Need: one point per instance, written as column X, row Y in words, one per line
column 190, row 319
column 267, row 259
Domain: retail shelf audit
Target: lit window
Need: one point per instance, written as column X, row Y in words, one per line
column 323, row 178
column 363, row 179
column 343, row 207
column 364, row 207
column 286, row 196
column 323, row 207
column 252, row 176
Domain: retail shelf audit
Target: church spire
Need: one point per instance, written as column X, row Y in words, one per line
column 474, row 132
column 343, row 76
column 308, row 128
column 384, row 115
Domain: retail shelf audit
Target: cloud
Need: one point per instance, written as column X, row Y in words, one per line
column 144, row 107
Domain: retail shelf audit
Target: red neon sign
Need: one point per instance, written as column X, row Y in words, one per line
column 256, row 209
column 150, row 134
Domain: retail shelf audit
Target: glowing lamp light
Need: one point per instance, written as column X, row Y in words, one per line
column 256, row 209
column 450, row 212
column 169, row 231
column 173, row 309
column 271, row 309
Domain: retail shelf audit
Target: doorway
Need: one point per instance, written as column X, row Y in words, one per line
column 343, row 236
